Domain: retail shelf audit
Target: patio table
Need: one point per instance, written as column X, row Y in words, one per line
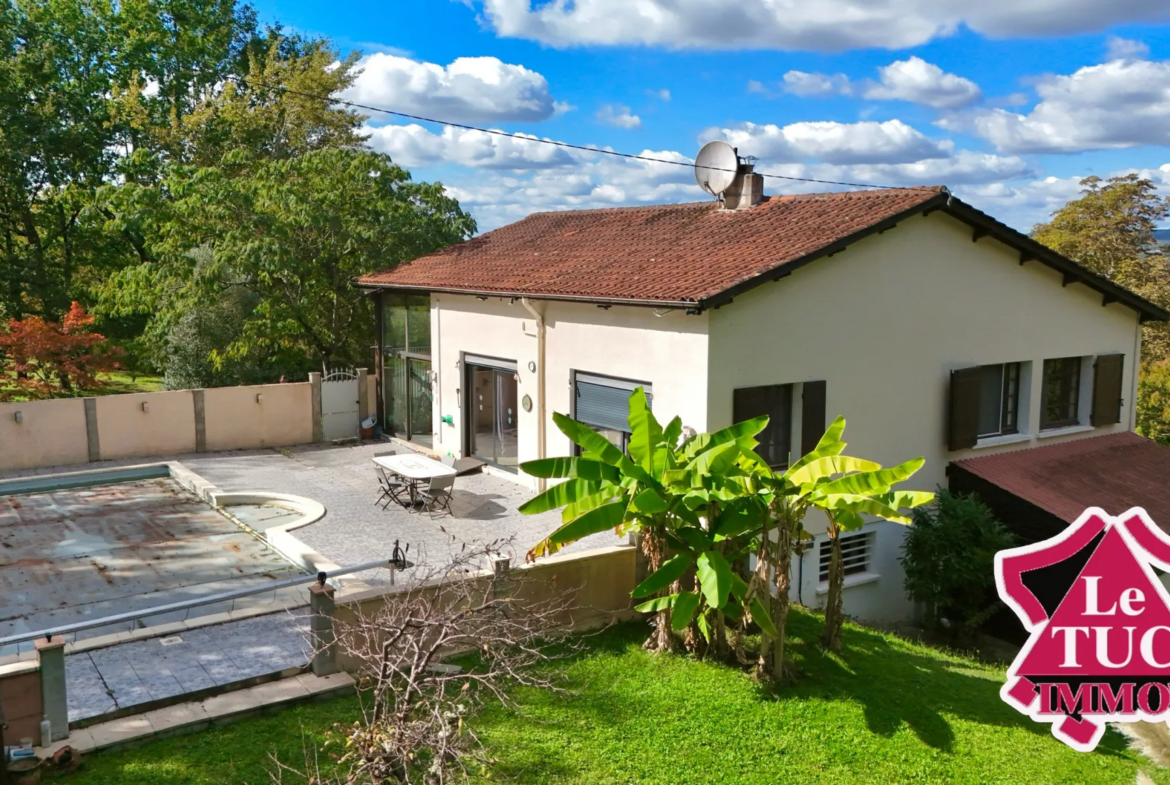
column 414, row 469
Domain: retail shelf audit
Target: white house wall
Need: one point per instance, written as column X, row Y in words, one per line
column 669, row 352
column 884, row 323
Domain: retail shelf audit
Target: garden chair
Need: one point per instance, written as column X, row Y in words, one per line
column 437, row 495
column 390, row 488
column 448, row 460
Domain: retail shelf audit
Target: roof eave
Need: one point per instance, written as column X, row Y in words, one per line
column 607, row 301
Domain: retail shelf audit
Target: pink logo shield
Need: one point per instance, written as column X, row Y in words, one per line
column 1099, row 619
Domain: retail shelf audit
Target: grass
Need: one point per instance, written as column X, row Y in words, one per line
column 112, row 384
column 886, row 711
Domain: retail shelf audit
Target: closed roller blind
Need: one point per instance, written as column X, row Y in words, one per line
column 603, row 406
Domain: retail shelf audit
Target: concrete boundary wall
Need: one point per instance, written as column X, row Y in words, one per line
column 20, row 692
column 71, row 431
column 599, row 580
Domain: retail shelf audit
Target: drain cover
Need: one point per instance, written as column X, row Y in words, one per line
column 171, row 641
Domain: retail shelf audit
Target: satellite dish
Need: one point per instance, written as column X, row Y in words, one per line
column 715, row 167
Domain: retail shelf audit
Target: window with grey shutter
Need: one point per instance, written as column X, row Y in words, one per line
column 1107, row 382
column 604, row 404
column 812, row 415
column 963, row 428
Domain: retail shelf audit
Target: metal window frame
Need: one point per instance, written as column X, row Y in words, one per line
column 1071, row 405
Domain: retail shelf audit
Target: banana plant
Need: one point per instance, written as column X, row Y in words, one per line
column 657, row 490
column 846, row 490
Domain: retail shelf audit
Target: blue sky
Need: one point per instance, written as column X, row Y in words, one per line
column 1008, row 102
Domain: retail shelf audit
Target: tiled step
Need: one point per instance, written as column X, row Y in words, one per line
column 198, row 715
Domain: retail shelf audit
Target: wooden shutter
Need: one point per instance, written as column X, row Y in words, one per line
column 812, row 416
column 775, row 401
column 1107, row 380
column 963, row 428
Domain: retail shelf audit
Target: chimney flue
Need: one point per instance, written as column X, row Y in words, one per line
column 746, row 190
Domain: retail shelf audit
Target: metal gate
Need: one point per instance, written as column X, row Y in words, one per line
column 339, row 404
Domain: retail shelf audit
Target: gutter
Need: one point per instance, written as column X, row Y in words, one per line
column 569, row 298
column 541, row 483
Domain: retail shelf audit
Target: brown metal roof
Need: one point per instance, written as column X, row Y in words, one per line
column 1114, row 472
column 698, row 255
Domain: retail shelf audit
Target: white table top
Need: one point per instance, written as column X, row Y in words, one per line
column 414, row 467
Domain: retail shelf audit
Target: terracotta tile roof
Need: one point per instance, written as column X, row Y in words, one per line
column 668, row 253
column 1114, row 472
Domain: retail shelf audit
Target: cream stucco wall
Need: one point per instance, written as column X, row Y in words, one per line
column 884, row 323
column 165, row 427
column 236, row 421
column 669, row 352
column 50, row 433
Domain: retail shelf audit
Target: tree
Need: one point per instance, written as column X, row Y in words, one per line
column 949, row 560
column 1109, row 229
column 293, row 234
column 47, row 358
column 1153, row 403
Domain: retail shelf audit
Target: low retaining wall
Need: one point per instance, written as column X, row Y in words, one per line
column 70, row 431
column 20, row 693
column 600, row 581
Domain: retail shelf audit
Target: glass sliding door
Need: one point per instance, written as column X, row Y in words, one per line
column 406, row 361
column 493, row 422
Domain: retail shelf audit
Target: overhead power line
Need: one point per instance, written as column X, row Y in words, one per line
column 533, row 139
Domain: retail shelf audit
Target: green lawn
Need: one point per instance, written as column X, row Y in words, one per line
column 888, row 711
column 112, row 384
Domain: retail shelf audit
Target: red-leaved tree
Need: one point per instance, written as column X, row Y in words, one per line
column 47, row 359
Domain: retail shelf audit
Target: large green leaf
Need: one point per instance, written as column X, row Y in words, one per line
column 607, row 516
column 712, row 461
column 664, row 455
column 558, row 496
column 714, row 575
column 579, row 468
column 670, row 571
column 902, row 500
column 874, row 482
column 827, row 466
column 684, row 609
column 583, row 505
column 650, row 502
column 830, row 444
column 645, row 432
column 694, row 537
column 761, row 617
column 705, row 441
column 656, row 604
column 588, row 439
column 861, row 505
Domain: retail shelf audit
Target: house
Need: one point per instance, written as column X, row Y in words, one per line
column 935, row 329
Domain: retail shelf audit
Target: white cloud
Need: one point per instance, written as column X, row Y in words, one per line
column 1117, row 48
column 1123, row 103
column 809, row 85
column 413, row 145
column 827, row 25
column 661, row 95
column 618, row 116
column 835, row 143
column 913, row 80
column 920, row 82
column 469, row 90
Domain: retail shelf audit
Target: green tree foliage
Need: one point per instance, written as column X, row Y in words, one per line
column 65, row 66
column 1110, row 230
column 949, row 559
column 1153, row 404
column 291, row 234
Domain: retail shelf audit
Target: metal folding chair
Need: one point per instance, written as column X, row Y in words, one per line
column 437, row 495
column 391, row 488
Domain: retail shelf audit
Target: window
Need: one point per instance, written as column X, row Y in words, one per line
column 603, row 403
column 855, row 551
column 775, row 401
column 1061, row 393
column 406, row 366
column 999, row 399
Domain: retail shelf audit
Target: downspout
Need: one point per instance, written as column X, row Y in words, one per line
column 541, row 483
column 1136, row 370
